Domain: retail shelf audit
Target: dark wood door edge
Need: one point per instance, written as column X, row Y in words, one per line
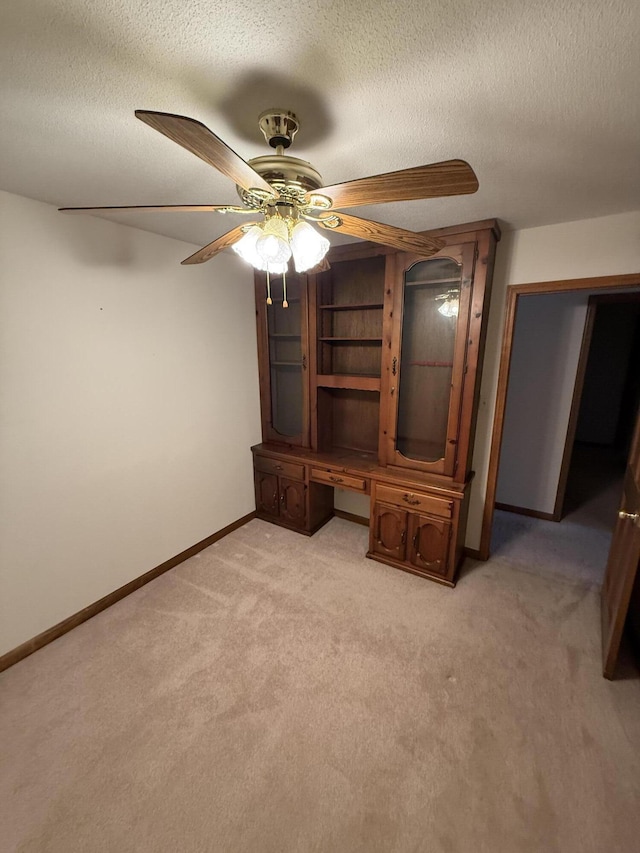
column 51, row 634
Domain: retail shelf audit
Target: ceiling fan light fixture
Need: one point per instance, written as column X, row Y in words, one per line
column 273, row 244
column 308, row 246
column 451, row 304
column 246, row 247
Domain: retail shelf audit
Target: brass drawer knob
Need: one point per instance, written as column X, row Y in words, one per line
column 630, row 516
column 410, row 499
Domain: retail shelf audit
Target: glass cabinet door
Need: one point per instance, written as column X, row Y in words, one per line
column 428, row 365
column 284, row 360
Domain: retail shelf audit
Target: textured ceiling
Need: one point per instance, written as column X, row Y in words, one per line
column 542, row 98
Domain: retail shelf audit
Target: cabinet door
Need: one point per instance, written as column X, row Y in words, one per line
column 426, row 366
column 429, row 543
column 389, row 531
column 292, row 502
column 283, row 359
column 267, row 494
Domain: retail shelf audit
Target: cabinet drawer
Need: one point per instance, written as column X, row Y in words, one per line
column 334, row 478
column 292, row 470
column 414, row 500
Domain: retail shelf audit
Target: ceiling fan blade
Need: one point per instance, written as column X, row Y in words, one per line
column 452, row 177
column 198, row 139
column 388, row 235
column 162, row 208
column 218, row 245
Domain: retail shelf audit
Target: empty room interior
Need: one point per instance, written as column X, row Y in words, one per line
column 319, row 426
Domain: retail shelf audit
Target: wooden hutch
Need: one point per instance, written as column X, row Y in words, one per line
column 369, row 381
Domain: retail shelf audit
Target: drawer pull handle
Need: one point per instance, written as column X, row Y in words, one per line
column 630, row 516
column 278, row 467
column 409, row 499
column 336, row 479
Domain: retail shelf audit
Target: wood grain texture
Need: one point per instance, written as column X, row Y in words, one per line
column 81, row 616
column 218, row 245
column 623, row 562
column 356, row 383
column 451, row 177
column 388, row 235
column 199, row 140
column 407, row 392
column 159, row 208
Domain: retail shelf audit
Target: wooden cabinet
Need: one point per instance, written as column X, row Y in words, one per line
column 285, row 496
column 389, row 532
column 371, row 383
column 281, row 491
column 429, row 540
column 428, row 360
column 267, row 494
column 417, row 540
column 283, row 359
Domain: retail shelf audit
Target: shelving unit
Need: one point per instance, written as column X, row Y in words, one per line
column 349, row 340
column 366, row 385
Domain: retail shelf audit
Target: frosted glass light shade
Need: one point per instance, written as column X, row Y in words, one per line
column 273, row 244
column 246, row 247
column 308, row 247
column 449, row 307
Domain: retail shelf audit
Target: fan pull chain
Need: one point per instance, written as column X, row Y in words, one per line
column 269, row 299
column 285, row 304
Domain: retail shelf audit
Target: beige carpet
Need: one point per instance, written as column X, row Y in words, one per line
column 278, row 693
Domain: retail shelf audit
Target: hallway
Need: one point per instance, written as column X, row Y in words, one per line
column 577, row 547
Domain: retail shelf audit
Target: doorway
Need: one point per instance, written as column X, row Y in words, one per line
column 624, row 555
column 565, row 441
column 605, row 401
column 515, row 293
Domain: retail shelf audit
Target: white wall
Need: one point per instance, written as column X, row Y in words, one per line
column 594, row 247
column 544, row 362
column 129, row 400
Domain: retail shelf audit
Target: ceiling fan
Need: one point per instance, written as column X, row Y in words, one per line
column 288, row 194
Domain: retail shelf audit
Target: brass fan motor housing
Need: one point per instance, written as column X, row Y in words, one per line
column 289, row 176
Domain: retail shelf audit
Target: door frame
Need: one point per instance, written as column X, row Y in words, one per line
column 607, row 283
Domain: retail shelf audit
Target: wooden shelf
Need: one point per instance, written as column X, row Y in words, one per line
column 363, row 454
column 351, row 340
column 283, row 335
column 434, row 281
column 430, row 364
column 285, row 364
column 355, row 383
column 354, row 307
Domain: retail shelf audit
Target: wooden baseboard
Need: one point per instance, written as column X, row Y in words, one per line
column 32, row 645
column 350, row 516
column 532, row 513
column 473, row 553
